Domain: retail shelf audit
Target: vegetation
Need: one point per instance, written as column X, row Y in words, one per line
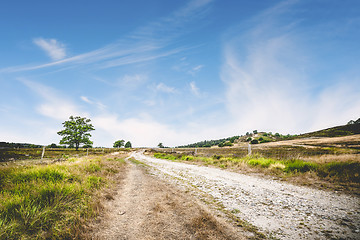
column 54, row 201
column 160, row 145
column 18, row 145
column 354, row 122
column 210, row 143
column 119, row 143
column 76, row 132
column 51, row 154
column 128, row 144
column 341, row 172
column 350, row 129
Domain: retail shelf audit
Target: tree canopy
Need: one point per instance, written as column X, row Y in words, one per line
column 128, row 144
column 119, row 143
column 76, row 132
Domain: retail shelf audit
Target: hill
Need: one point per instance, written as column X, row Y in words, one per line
column 339, row 131
column 352, row 128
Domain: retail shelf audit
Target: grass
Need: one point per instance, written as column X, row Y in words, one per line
column 342, row 172
column 53, row 201
column 7, row 154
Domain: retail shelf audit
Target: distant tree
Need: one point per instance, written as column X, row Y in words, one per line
column 255, row 131
column 53, row 145
column 119, row 143
column 353, row 122
column 128, row 144
column 160, row 145
column 76, row 132
column 255, row 141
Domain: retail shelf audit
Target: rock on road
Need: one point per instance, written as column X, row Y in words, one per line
column 278, row 209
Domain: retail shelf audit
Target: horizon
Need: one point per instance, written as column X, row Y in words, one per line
column 177, row 72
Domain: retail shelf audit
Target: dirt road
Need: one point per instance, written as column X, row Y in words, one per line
column 278, row 209
column 145, row 207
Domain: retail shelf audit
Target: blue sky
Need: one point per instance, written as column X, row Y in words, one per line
column 177, row 72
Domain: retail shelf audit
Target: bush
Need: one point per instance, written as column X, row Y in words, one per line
column 255, row 141
column 300, row 166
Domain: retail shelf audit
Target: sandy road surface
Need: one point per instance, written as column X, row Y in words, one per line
column 278, row 209
column 145, row 207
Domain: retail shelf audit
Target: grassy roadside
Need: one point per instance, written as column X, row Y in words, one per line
column 334, row 173
column 53, row 201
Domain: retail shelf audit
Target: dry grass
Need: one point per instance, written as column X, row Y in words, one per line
column 334, row 158
column 53, row 201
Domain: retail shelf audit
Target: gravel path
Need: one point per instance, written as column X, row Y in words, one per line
column 277, row 208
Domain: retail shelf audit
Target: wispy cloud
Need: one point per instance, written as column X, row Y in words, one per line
column 98, row 104
column 53, row 105
column 146, row 43
column 266, row 72
column 194, row 89
column 52, row 47
column 161, row 87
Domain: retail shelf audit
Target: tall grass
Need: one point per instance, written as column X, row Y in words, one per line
column 50, row 202
column 345, row 171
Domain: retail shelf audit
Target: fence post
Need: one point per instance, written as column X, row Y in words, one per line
column 43, row 153
column 249, row 149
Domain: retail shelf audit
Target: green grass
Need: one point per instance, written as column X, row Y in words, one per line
column 336, row 171
column 51, row 202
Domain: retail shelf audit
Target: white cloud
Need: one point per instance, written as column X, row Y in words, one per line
column 52, row 47
column 54, row 105
column 145, row 131
column 86, row 99
column 164, row 88
column 268, row 86
column 98, row 104
column 194, row 89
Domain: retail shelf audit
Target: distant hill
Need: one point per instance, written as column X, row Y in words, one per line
column 339, row 131
column 353, row 127
column 18, row 145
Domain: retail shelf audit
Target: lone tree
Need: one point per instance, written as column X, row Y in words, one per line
column 160, row 145
column 128, row 144
column 76, row 132
column 119, row 143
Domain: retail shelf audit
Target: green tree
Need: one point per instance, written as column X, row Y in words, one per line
column 160, row 145
column 128, row 144
column 76, row 132
column 119, row 143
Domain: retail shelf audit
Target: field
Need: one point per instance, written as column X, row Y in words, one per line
column 54, row 200
column 328, row 163
column 16, row 154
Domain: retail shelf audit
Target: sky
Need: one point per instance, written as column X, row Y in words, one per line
column 177, row 72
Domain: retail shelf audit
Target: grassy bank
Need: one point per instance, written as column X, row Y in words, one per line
column 53, row 201
column 344, row 172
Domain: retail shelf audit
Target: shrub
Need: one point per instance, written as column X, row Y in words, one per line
column 255, row 141
column 300, row 166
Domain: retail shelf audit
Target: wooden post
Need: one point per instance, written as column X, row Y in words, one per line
column 249, row 149
column 43, row 153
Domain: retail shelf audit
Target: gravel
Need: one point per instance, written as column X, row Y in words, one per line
column 278, row 209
